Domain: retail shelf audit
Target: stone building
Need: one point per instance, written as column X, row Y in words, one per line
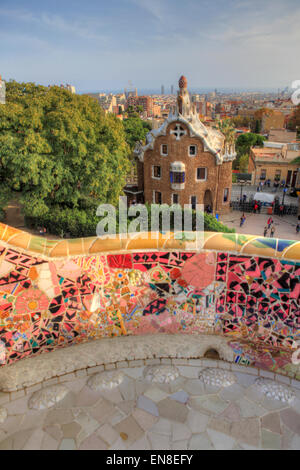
column 272, row 118
column 184, row 161
column 275, row 162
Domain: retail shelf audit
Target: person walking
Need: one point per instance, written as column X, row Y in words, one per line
column 242, row 220
column 298, row 228
column 281, row 209
column 259, row 206
column 272, row 231
column 269, row 222
column 265, row 231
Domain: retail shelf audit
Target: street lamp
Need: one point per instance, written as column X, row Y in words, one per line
column 284, row 191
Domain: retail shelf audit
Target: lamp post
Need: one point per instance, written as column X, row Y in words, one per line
column 284, row 191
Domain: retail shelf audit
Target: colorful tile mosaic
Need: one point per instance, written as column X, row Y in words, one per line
column 253, row 300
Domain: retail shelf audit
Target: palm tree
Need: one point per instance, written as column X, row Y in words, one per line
column 228, row 131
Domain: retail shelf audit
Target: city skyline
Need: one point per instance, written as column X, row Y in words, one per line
column 99, row 46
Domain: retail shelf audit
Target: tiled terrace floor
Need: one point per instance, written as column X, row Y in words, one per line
column 139, row 414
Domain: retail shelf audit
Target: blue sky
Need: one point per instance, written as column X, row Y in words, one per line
column 102, row 44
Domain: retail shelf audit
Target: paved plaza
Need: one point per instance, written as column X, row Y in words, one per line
column 285, row 227
column 190, row 410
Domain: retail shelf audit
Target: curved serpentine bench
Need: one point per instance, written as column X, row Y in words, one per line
column 162, row 297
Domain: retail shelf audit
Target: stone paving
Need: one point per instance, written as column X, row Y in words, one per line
column 285, row 227
column 160, row 407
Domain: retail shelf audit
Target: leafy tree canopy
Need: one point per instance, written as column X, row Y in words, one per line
column 244, row 143
column 294, row 122
column 244, row 163
column 135, row 129
column 227, row 128
column 59, row 150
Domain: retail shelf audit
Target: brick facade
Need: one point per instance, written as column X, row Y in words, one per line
column 186, row 162
column 179, row 151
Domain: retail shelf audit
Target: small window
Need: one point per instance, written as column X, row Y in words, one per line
column 157, row 197
column 156, row 172
column 201, row 174
column 263, row 174
column 226, row 195
column 193, row 202
column 164, row 149
column 175, row 199
column 192, row 150
column 277, row 175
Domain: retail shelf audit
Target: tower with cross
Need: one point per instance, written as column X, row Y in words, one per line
column 185, row 162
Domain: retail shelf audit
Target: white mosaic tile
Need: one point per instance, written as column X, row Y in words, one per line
column 161, row 374
column 275, row 390
column 3, row 414
column 106, row 380
column 217, row 377
column 47, row 397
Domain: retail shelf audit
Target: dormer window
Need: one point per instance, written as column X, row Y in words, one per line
column 164, row 150
column 177, row 175
column 192, row 150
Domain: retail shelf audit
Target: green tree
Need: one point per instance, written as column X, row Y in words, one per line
column 135, row 129
column 227, row 128
column 243, row 145
column 243, row 163
column 294, row 122
column 59, row 152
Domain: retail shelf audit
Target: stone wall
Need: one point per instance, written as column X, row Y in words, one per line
column 246, row 289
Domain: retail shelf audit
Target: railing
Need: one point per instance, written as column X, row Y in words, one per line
column 289, row 209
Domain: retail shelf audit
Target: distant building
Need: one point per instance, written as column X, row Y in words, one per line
column 272, row 119
column 2, row 91
column 162, row 90
column 71, row 88
column 107, row 102
column 172, row 89
column 68, row 87
column 184, row 161
column 274, row 163
column 282, row 135
column 145, row 101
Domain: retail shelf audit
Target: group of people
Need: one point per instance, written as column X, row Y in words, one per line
column 261, row 184
column 257, row 207
column 270, row 226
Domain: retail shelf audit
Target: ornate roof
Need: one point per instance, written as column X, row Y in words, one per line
column 185, row 112
column 212, row 139
column 182, row 82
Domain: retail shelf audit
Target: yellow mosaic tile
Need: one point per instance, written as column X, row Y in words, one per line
column 21, row 240
column 75, row 247
column 139, row 243
column 60, row 249
column 221, row 241
column 293, row 252
column 106, row 245
column 9, row 232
